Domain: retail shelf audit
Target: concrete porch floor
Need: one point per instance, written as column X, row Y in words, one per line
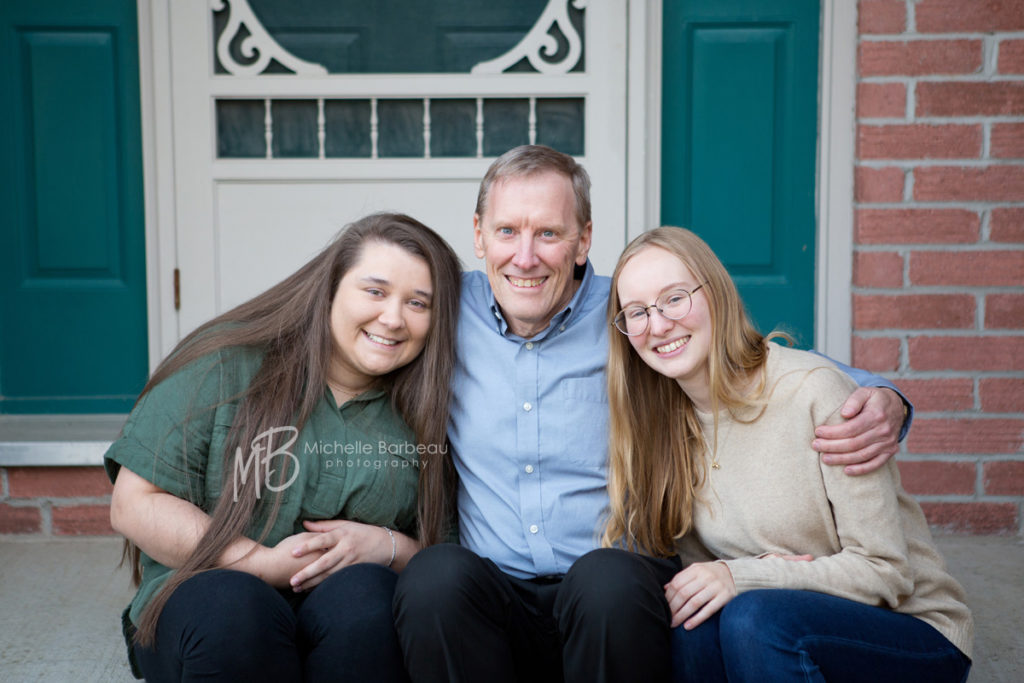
column 61, row 601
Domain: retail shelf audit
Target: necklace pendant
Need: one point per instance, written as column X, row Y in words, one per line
column 715, row 466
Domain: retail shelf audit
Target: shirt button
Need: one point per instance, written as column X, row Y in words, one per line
column 527, row 406
column 529, row 346
column 562, row 328
column 534, row 528
column 529, row 469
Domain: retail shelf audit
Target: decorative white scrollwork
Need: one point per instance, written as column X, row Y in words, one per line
column 539, row 40
column 258, row 45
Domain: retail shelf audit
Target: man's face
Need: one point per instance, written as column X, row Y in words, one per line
column 531, row 241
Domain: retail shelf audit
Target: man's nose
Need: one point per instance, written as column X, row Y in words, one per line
column 525, row 257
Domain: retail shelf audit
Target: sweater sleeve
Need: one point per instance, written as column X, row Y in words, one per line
column 872, row 562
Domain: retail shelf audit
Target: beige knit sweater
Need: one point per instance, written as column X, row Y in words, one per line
column 772, row 494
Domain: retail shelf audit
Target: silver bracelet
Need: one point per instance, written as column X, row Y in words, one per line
column 394, row 546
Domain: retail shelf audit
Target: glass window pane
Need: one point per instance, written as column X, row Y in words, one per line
column 294, row 128
column 560, row 124
column 400, row 127
column 506, row 125
column 240, row 129
column 453, row 128
column 347, row 124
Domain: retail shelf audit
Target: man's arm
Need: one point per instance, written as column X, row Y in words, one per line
column 878, row 417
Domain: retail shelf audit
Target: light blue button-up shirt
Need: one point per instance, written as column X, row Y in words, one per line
column 529, row 430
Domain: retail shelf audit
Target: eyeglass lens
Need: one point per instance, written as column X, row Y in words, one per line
column 674, row 304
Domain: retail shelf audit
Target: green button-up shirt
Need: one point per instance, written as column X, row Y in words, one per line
column 358, row 461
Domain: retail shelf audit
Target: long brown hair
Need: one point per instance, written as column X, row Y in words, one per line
column 290, row 322
column 656, row 446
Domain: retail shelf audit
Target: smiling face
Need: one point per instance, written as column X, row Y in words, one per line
column 675, row 348
column 531, row 241
column 380, row 315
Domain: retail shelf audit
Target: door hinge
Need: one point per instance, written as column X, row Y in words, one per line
column 177, row 289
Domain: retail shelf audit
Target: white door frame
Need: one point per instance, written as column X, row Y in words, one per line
column 835, row 162
column 162, row 26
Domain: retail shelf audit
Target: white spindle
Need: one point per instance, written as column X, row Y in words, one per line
column 426, row 127
column 373, row 127
column 268, row 128
column 533, row 121
column 479, row 128
column 321, row 128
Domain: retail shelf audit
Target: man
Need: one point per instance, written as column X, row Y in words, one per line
column 525, row 596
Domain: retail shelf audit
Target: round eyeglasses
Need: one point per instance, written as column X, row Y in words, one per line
column 673, row 304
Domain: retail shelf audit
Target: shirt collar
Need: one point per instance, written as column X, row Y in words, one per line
column 561, row 319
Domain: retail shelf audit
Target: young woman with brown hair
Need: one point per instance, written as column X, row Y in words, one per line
column 710, row 457
column 266, row 480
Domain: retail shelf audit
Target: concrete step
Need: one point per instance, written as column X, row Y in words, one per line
column 61, row 601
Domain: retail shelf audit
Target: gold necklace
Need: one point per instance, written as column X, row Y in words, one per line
column 713, row 452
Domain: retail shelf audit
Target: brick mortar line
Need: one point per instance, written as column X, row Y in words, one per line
column 935, row 332
column 39, row 501
column 963, row 415
column 956, row 163
column 963, row 498
column 952, row 458
column 933, row 37
column 956, row 374
column 979, row 205
column 937, row 120
column 973, row 77
column 945, row 290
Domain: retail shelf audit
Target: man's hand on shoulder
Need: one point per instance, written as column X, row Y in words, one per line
column 870, row 435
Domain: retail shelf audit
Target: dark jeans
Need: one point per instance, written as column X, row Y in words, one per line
column 231, row 626
column 460, row 618
column 792, row 635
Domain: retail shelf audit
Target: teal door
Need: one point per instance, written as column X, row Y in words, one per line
column 739, row 137
column 72, row 252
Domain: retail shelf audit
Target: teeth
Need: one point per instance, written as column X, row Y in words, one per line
column 381, row 340
column 526, row 283
column 673, row 346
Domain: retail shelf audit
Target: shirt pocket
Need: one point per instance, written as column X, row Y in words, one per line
column 581, row 421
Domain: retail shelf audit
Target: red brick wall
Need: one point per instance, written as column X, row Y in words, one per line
column 57, row 501
column 938, row 289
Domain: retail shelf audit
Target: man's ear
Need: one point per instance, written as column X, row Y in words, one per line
column 583, row 248
column 478, row 238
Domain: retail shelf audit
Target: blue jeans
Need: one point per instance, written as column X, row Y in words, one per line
column 792, row 635
column 231, row 626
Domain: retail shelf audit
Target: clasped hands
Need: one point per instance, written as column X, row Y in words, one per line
column 304, row 560
column 703, row 588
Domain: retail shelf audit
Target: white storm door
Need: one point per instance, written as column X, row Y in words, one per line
column 278, row 147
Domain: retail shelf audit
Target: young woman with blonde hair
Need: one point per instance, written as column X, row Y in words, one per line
column 796, row 570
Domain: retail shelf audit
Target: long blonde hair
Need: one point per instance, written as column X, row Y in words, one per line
column 656, row 447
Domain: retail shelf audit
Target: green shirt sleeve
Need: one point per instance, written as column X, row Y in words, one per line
column 167, row 437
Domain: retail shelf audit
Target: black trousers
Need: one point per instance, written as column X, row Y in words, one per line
column 226, row 625
column 460, row 618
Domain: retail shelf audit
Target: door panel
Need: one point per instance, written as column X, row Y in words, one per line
column 72, row 281
column 739, row 132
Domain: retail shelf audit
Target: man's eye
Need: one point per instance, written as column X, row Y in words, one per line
column 504, row 231
column 548, row 234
